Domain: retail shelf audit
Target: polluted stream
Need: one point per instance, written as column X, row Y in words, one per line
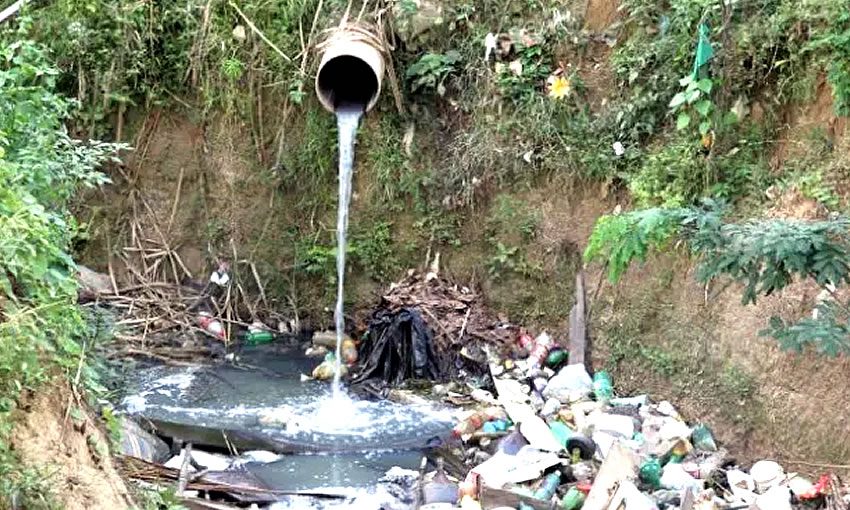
column 335, row 444
column 301, row 435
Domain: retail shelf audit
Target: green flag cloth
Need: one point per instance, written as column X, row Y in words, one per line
column 704, row 49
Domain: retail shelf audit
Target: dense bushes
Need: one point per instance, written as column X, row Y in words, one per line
column 41, row 167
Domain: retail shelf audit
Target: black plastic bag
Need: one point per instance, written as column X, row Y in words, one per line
column 398, row 347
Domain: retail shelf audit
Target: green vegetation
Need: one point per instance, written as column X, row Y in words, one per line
column 41, row 168
column 431, row 70
column 763, row 255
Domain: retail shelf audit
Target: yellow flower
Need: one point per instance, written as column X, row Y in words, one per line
column 559, row 87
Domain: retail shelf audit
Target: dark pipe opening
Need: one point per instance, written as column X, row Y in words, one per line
column 348, row 80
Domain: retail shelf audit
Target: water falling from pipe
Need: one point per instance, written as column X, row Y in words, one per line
column 347, row 118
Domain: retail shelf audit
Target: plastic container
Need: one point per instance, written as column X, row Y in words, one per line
column 603, row 387
column 650, row 472
column 766, row 474
column 211, row 325
column 573, row 499
column 703, row 439
column 556, row 358
column 526, row 341
column 548, row 487
column 538, row 354
column 258, row 337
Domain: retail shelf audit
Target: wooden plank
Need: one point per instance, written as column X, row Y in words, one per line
column 494, row 498
column 620, row 464
column 578, row 325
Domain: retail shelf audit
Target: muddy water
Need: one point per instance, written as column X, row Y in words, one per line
column 348, row 118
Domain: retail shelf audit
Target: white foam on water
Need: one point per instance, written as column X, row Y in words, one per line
column 173, row 385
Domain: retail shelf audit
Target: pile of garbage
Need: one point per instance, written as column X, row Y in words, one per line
column 463, row 328
column 553, row 436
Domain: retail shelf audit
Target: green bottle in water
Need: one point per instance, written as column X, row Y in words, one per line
column 258, row 337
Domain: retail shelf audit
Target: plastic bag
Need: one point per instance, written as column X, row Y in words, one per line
column 398, row 347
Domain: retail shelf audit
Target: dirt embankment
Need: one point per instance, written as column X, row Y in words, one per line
column 73, row 458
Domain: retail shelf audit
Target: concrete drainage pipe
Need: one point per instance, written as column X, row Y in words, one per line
column 351, row 69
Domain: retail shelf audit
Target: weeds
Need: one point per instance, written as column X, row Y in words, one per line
column 430, row 72
column 41, row 168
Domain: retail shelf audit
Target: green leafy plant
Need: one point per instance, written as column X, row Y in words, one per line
column 620, row 239
column 693, row 104
column 523, row 79
column 765, row 256
column 510, row 259
column 374, row 251
column 431, row 70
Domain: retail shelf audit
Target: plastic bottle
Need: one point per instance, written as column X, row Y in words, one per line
column 548, row 487
column 573, row 499
column 538, row 354
column 556, row 358
column 211, row 325
column 470, row 424
column 526, row 341
column 561, row 432
column 650, row 472
column 348, row 351
column 258, row 337
column 440, row 489
column 603, row 387
column 703, row 439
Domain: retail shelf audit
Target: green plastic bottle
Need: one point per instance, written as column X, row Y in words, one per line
column 556, row 358
column 561, row 432
column 650, row 472
column 258, row 337
column 603, row 387
column 702, row 438
column 573, row 499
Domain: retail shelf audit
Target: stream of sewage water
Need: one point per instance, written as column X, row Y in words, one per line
column 331, row 442
column 348, row 119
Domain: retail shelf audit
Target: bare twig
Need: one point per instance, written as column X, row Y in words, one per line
column 176, row 201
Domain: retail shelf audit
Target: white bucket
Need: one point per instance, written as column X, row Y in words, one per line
column 766, row 474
